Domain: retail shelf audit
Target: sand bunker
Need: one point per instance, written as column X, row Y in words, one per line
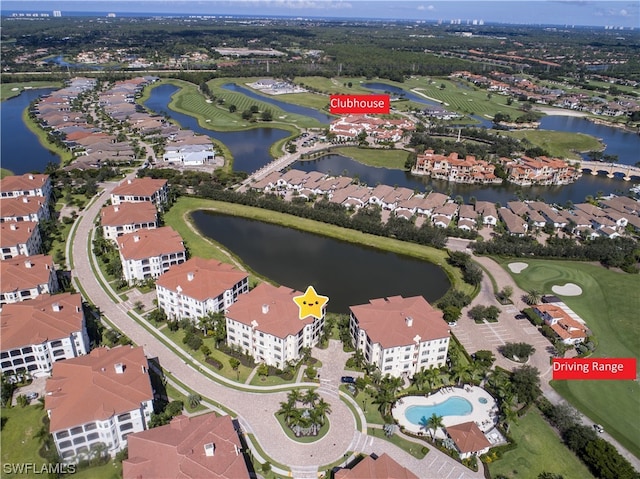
column 517, row 267
column 569, row 289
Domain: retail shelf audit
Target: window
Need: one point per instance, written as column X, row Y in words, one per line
column 76, row 430
column 93, row 436
column 78, row 440
column 65, row 444
column 124, row 417
column 90, row 427
column 62, row 434
column 126, row 426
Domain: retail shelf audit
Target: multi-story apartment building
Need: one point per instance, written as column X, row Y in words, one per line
column 265, row 324
column 29, row 184
column 141, row 189
column 26, row 277
column 39, row 332
column 457, row 170
column 117, row 220
column 98, row 398
column 19, row 238
column 198, row 287
column 149, row 253
column 24, row 208
column 541, row 170
column 205, row 446
column 400, row 335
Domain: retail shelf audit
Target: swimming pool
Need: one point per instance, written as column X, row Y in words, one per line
column 453, row 406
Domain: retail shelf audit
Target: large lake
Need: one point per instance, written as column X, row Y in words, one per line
column 20, row 150
column 348, row 274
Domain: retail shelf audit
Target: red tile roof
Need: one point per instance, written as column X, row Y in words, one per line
column 385, row 321
column 468, row 437
column 88, row 388
column 177, row 450
column 35, row 321
column 384, row 467
column 128, row 214
column 150, row 243
column 139, row 187
column 24, row 272
column 281, row 317
column 24, row 182
column 14, row 233
column 200, row 278
column 21, row 205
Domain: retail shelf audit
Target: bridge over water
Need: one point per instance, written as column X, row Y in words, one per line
column 610, row 169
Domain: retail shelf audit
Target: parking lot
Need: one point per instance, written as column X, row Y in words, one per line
column 37, row 386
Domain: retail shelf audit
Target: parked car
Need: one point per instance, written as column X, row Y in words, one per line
column 520, row 316
column 598, row 428
column 31, row 396
column 348, row 379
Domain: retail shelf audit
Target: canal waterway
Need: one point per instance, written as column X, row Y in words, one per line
column 250, row 148
column 348, row 274
column 576, row 192
column 288, row 107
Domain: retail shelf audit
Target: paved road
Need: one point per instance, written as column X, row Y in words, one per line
column 255, row 410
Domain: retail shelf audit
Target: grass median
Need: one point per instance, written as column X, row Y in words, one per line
column 179, row 214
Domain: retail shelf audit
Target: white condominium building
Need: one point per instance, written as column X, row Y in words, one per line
column 400, row 335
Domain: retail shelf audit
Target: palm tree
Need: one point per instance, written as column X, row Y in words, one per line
column 432, row 376
column 194, row 400
column 384, row 399
column 323, row 408
column 392, row 383
column 434, row 423
column 294, row 396
column 461, row 374
column 310, row 397
column 419, row 379
column 287, row 411
column 532, row 297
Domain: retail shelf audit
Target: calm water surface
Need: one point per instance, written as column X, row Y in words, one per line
column 347, row 273
column 21, row 152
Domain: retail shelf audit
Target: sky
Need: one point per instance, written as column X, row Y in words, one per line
column 557, row 12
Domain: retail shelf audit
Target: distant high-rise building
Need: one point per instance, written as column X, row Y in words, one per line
column 57, row 13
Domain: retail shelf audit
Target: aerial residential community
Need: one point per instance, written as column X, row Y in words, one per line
column 208, row 272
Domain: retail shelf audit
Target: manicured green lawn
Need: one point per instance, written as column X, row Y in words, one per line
column 559, row 143
column 609, row 304
column 4, row 172
column 415, row 449
column 539, row 449
column 19, row 441
column 110, row 470
column 394, row 159
column 9, row 90
column 177, row 217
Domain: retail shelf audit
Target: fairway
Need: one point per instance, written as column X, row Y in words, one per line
column 394, row 159
column 539, row 449
column 609, row 304
column 559, row 143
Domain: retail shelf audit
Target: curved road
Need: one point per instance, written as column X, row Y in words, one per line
column 255, row 410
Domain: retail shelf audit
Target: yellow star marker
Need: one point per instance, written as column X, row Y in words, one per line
column 310, row 303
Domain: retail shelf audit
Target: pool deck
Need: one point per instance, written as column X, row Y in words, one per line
column 484, row 415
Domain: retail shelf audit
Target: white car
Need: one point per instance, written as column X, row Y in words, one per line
column 598, row 428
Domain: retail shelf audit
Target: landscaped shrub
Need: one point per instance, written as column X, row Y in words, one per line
column 214, row 362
